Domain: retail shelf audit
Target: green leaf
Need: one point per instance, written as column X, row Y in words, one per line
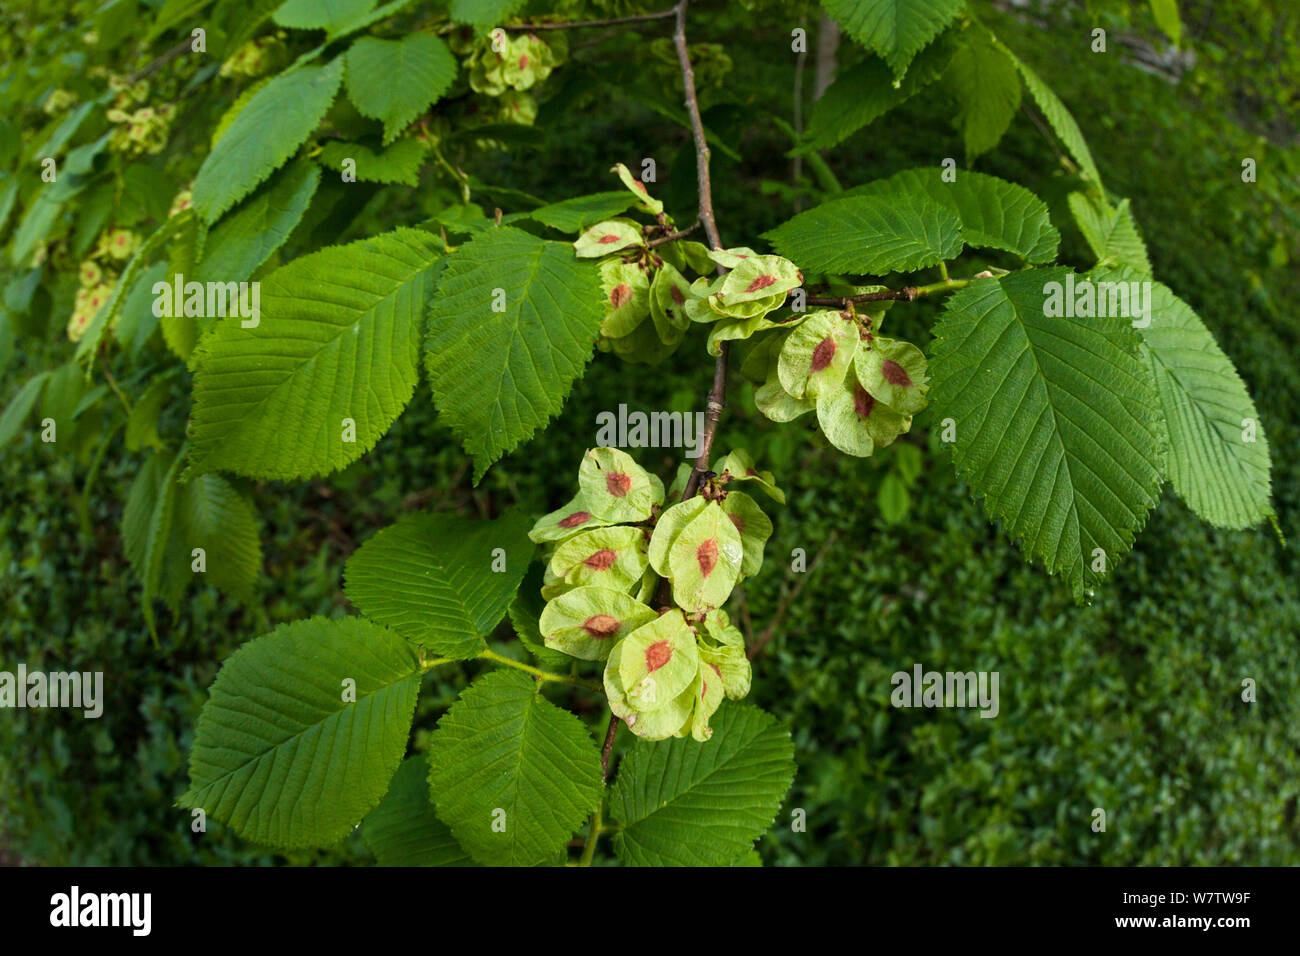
column 893, row 499
column 994, row 213
column 580, row 212
column 1167, row 19
column 338, row 338
column 35, row 225
column 404, row 830
column 6, row 342
column 20, row 406
column 685, row 803
column 865, row 92
column 499, row 375
column 399, row 163
column 1055, row 421
column 505, row 755
column 525, row 617
column 260, row 225
column 1111, row 232
column 63, row 132
column 896, row 29
column 320, row 14
column 986, row 85
column 136, row 322
column 397, row 80
column 210, row 513
column 265, row 133
column 870, row 235
column 142, row 423
column 9, row 195
column 382, row 12
column 434, row 578
column 1217, row 457
column 280, row 755
column 147, row 527
column 484, row 14
column 1059, row 117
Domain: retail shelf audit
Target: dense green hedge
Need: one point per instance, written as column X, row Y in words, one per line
column 1132, row 704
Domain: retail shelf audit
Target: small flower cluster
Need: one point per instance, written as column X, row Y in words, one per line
column 98, row 279
column 507, row 67
column 184, row 199
column 256, row 57
column 58, row 101
column 864, row 387
column 667, row 668
column 139, row 129
column 640, row 281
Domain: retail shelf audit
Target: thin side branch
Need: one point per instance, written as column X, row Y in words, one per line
column 697, row 128
column 610, row 733
column 907, row 294
column 717, row 395
column 712, row 412
column 578, row 24
column 161, row 61
column 673, row 236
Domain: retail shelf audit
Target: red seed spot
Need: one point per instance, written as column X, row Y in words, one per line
column 617, row 484
column 602, row 560
column 575, row 519
column 607, row 238
column 621, row 295
column 716, row 669
column 640, row 186
column 707, row 556
column 600, row 626
column 863, row 403
column 677, row 295
column 762, row 282
column 657, row 655
column 895, row 374
column 750, row 472
column 739, row 522
column 823, row 353
column 523, row 62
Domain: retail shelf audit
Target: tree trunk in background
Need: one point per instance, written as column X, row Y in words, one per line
column 828, row 41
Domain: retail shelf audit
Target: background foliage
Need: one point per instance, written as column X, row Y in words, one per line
column 1131, row 703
